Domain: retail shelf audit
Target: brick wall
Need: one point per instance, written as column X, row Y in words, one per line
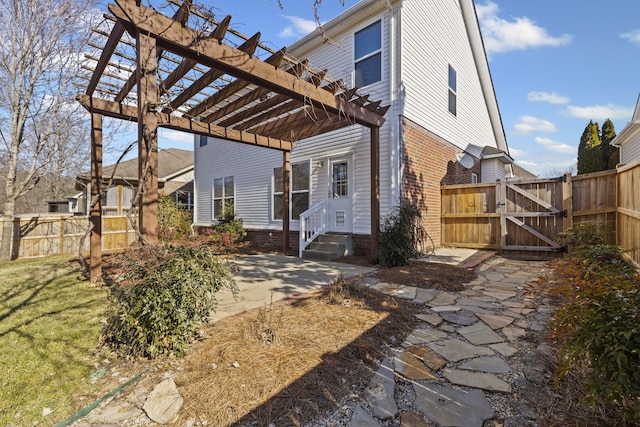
column 429, row 162
column 272, row 239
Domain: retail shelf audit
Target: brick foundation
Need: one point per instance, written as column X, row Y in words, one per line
column 429, row 162
column 272, row 239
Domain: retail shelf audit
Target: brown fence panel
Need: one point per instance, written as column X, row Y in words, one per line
column 628, row 214
column 469, row 216
column 594, row 199
column 527, row 215
column 49, row 235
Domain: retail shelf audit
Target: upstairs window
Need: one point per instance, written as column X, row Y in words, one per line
column 368, row 55
column 453, row 91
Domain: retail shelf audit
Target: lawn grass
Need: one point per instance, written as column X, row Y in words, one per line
column 49, row 327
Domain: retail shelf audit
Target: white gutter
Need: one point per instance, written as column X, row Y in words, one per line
column 482, row 65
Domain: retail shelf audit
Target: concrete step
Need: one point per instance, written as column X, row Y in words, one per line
column 320, row 255
column 328, row 247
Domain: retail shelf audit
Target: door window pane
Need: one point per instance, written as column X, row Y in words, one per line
column 340, row 179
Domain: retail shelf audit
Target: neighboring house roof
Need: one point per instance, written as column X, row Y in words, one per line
column 521, row 172
column 172, row 162
column 631, row 132
column 366, row 8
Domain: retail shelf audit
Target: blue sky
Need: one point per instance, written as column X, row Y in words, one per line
column 555, row 65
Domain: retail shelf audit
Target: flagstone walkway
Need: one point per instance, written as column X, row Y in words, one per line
column 464, row 364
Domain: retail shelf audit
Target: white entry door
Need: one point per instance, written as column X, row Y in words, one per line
column 340, row 195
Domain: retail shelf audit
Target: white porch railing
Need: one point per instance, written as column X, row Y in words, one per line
column 313, row 222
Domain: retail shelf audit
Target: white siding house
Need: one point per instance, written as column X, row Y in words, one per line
column 628, row 140
column 426, row 60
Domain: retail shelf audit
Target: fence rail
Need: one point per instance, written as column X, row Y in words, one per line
column 39, row 236
column 529, row 214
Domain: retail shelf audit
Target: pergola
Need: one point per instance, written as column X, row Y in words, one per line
column 209, row 81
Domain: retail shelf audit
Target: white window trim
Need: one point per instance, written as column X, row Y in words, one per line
column 223, row 198
column 274, row 193
column 451, row 90
column 369, row 55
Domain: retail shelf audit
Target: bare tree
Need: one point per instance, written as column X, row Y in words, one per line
column 40, row 45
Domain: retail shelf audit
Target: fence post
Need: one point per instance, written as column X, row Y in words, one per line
column 501, row 205
column 567, row 202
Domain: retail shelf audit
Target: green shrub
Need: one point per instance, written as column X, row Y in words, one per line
column 162, row 296
column 396, row 245
column 174, row 223
column 229, row 232
column 598, row 326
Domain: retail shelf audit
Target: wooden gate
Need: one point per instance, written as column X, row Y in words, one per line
column 518, row 215
column 532, row 214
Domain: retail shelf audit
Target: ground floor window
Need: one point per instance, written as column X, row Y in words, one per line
column 184, row 199
column 299, row 185
column 223, row 196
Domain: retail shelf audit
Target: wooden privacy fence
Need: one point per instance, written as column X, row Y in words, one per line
column 528, row 215
column 39, row 236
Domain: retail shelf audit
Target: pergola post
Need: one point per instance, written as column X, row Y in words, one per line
column 147, row 138
column 375, row 188
column 286, row 197
column 95, row 200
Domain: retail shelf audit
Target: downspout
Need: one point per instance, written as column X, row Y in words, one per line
column 394, row 96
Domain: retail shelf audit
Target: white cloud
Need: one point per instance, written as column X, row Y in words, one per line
column 299, row 27
column 550, row 97
column 177, row 136
column 501, row 35
column 633, row 36
column 517, row 153
column 528, row 124
column 555, row 146
column 601, row 112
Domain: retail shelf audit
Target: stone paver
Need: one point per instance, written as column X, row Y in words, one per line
column 423, row 336
column 479, row 380
column 492, row 364
column 460, row 317
column 505, row 349
column 495, row 321
column 479, row 334
column 380, row 392
column 513, row 334
column 164, row 402
column 455, row 350
column 432, row 319
column 443, row 299
column 425, row 295
column 361, row 418
column 409, row 365
column 446, row 406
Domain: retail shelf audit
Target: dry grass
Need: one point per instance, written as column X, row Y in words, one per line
column 427, row 275
column 317, row 351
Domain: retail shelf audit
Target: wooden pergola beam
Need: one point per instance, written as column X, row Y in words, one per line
column 181, row 15
column 187, row 64
column 269, row 103
column 233, row 88
column 248, row 47
column 130, row 113
column 285, row 107
column 188, row 43
column 105, row 56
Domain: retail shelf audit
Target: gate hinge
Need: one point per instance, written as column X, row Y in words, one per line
column 562, row 214
column 562, row 178
column 563, row 249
